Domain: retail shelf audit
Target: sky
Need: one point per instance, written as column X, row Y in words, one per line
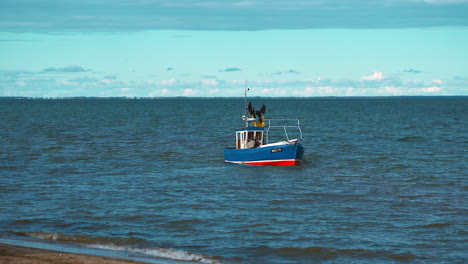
column 216, row 48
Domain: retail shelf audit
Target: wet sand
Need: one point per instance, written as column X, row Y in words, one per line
column 11, row 254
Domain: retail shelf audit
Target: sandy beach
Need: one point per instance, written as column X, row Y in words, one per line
column 25, row 255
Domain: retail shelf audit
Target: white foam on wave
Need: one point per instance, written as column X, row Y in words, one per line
column 172, row 254
column 163, row 253
column 43, row 235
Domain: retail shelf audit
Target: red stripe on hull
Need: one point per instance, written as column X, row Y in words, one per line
column 272, row 162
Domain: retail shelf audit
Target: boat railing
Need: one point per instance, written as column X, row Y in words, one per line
column 284, row 127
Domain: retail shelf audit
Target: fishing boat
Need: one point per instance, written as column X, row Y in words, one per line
column 252, row 145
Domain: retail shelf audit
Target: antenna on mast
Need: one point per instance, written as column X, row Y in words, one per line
column 245, row 103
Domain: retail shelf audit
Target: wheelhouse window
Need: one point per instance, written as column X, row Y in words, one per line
column 259, row 138
column 249, row 139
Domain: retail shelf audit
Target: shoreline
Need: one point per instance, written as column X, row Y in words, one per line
column 27, row 255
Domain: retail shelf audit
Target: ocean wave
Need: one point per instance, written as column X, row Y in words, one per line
column 40, row 235
column 82, row 239
column 127, row 244
column 172, row 254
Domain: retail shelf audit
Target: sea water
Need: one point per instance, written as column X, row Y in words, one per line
column 384, row 180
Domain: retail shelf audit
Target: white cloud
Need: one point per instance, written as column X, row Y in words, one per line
column 271, row 92
column 266, row 91
column 209, row 82
column 349, row 91
column 376, row 76
column 107, row 81
column 169, row 82
column 189, row 92
column 319, row 91
column 30, row 85
column 237, row 82
column 282, row 92
column 328, row 90
column 308, row 91
column 432, row 89
column 392, row 90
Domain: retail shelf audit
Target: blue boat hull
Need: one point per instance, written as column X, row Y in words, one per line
column 277, row 155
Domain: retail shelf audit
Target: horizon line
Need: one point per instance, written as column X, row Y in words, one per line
column 216, row 97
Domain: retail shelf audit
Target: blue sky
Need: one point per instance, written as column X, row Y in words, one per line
column 301, row 48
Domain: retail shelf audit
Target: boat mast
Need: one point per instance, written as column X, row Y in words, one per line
column 245, row 103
